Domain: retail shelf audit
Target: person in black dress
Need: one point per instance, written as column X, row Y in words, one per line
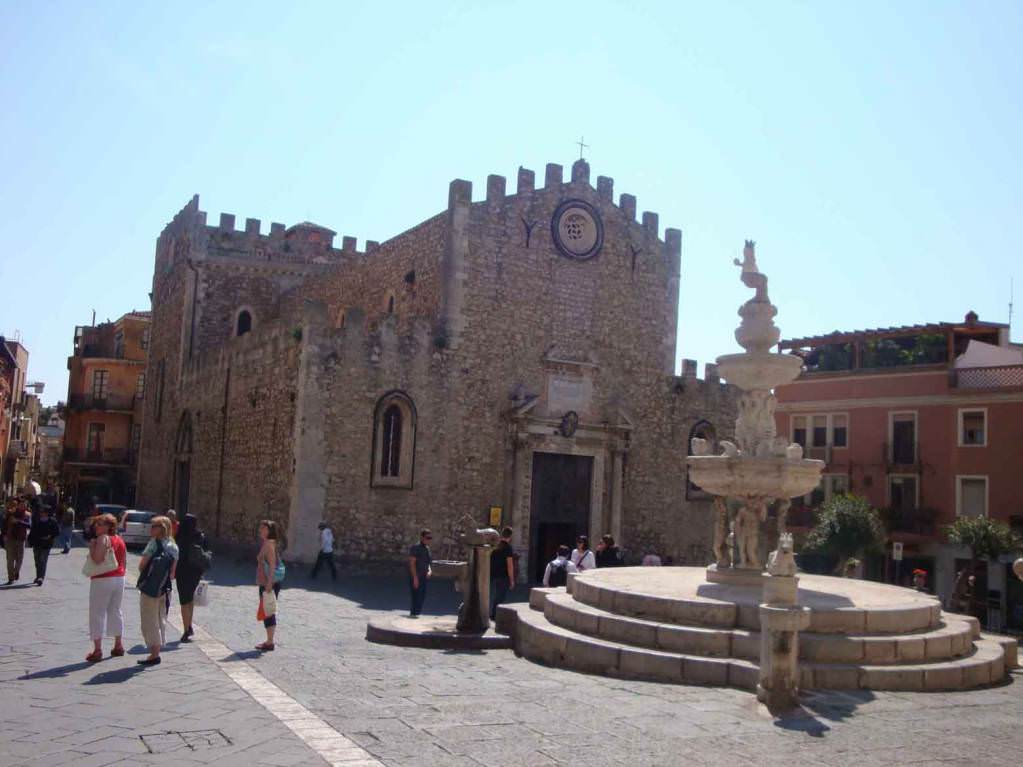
column 191, row 566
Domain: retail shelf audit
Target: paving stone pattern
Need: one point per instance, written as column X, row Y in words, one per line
column 409, row 706
column 56, row 709
column 420, row 707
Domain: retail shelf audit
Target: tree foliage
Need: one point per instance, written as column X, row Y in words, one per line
column 847, row 526
column 986, row 538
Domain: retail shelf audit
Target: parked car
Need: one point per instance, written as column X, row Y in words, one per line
column 102, row 508
column 135, row 527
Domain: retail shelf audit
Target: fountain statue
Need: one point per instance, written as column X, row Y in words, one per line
column 757, row 470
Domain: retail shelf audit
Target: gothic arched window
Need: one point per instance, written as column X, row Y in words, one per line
column 390, row 459
column 394, row 435
column 244, row 322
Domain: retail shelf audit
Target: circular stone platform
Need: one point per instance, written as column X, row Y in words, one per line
column 683, row 595
column 670, row 625
column 432, row 632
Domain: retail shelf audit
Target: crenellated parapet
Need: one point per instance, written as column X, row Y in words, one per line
column 498, row 196
column 690, row 371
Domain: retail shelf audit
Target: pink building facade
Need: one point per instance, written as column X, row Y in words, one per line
column 926, row 422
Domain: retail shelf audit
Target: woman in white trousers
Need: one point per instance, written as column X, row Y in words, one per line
column 106, row 589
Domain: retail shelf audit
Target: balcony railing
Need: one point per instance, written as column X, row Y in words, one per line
column 111, row 402
column 110, row 456
column 910, row 521
column 996, row 377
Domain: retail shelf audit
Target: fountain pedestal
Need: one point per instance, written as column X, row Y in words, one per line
column 781, row 620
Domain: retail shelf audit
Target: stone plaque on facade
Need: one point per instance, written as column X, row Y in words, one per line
column 577, row 229
column 566, row 393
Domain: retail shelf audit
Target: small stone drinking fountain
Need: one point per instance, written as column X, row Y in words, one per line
column 757, row 470
column 472, row 578
column 471, row 629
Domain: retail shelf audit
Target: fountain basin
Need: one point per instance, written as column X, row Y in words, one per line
column 748, row 477
column 759, row 371
column 448, row 568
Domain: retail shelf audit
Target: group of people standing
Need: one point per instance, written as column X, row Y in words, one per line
column 582, row 558
column 27, row 523
column 174, row 554
column 504, row 566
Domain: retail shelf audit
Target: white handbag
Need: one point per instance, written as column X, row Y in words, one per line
column 92, row 568
column 269, row 603
column 202, row 594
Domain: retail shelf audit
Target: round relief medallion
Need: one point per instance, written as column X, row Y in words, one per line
column 577, row 229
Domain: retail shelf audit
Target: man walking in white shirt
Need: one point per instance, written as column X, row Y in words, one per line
column 326, row 552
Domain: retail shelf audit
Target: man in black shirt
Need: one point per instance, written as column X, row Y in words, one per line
column 419, row 560
column 502, row 571
column 44, row 532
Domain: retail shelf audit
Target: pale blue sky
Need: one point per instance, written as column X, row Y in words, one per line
column 871, row 149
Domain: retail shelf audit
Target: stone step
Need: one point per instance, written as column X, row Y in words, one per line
column 951, row 639
column 1010, row 645
column 538, row 639
column 984, row 665
column 723, row 607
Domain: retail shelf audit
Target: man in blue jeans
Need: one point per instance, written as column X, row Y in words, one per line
column 419, row 560
column 67, row 527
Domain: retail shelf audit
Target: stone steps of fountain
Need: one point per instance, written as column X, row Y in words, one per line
column 728, row 607
column 951, row 638
column 540, row 640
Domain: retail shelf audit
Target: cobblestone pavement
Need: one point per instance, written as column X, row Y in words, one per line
column 56, row 709
column 420, row 707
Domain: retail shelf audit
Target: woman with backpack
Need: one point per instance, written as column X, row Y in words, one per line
column 269, row 574
column 192, row 563
column 156, row 571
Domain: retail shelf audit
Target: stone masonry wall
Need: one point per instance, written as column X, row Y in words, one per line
column 494, row 311
column 172, row 288
column 405, row 268
column 240, row 400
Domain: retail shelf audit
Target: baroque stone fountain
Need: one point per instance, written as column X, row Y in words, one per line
column 734, row 623
column 758, row 469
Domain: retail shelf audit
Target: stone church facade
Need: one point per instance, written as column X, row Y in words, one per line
column 511, row 356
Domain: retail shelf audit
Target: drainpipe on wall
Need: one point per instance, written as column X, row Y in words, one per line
column 223, row 446
column 195, row 294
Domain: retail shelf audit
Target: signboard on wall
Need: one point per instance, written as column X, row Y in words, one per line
column 495, row 516
column 897, row 551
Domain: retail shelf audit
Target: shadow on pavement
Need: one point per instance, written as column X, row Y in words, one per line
column 802, row 721
column 833, row 705
column 13, row 586
column 56, row 672
column 371, row 592
column 116, row 676
column 241, row 655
